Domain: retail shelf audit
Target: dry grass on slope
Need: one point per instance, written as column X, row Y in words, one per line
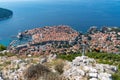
column 40, row 72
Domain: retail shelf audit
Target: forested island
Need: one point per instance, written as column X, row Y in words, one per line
column 5, row 14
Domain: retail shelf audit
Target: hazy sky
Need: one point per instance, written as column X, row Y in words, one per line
column 34, row 0
column 31, row 0
column 17, row 0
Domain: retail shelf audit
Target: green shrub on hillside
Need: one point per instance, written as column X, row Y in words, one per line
column 7, row 54
column 101, row 57
column 69, row 57
column 116, row 76
column 2, row 47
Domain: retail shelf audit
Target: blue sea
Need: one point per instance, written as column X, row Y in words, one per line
column 79, row 14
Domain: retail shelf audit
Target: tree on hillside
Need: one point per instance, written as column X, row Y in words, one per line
column 2, row 47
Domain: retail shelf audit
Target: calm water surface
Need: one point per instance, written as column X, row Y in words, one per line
column 79, row 14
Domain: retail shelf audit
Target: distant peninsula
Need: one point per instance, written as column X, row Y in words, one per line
column 5, row 14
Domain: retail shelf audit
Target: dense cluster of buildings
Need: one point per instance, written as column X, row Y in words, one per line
column 63, row 39
column 45, row 40
column 105, row 41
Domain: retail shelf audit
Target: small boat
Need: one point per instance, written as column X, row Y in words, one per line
column 19, row 36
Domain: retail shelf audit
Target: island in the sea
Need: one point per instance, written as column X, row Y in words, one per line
column 5, row 14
